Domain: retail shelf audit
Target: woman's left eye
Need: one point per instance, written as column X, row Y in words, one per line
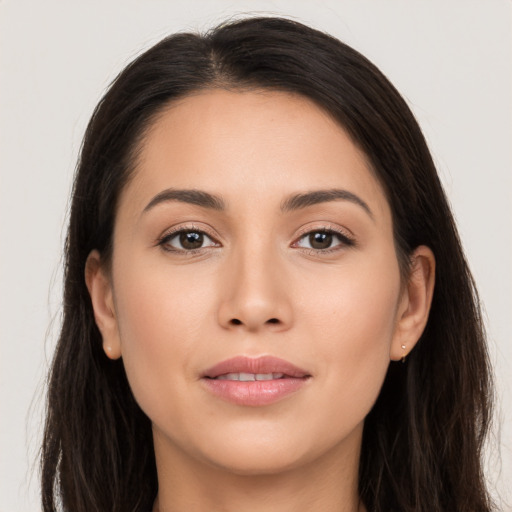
column 322, row 240
column 187, row 240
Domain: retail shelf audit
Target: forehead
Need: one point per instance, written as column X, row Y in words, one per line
column 250, row 143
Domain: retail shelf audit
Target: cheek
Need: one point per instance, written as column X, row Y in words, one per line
column 353, row 317
column 158, row 324
column 355, row 305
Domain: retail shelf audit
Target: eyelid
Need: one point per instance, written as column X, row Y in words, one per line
column 346, row 237
column 328, row 226
column 170, row 233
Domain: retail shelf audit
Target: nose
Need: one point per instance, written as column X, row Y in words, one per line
column 254, row 294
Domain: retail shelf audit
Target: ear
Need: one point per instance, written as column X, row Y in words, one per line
column 414, row 306
column 100, row 289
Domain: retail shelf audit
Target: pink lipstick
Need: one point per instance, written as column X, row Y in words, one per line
column 254, row 381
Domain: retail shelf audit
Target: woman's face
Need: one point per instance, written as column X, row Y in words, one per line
column 253, row 242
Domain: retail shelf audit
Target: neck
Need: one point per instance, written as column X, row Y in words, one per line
column 327, row 484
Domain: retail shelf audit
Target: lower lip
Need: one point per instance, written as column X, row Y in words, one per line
column 254, row 393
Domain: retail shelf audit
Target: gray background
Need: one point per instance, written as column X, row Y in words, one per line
column 452, row 60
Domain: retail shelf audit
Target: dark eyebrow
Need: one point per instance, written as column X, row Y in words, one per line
column 191, row 196
column 298, row 201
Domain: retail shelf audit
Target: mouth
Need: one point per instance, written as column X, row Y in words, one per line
column 254, row 381
column 251, row 377
column 244, row 368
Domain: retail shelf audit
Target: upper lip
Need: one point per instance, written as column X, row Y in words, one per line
column 263, row 364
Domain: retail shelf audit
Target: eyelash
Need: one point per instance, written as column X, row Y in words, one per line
column 344, row 240
column 170, row 235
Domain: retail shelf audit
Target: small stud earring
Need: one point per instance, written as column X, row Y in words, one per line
column 404, row 356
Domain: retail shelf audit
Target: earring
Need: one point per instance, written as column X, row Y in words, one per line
column 405, row 355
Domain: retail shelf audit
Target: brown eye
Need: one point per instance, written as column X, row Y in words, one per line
column 320, row 240
column 323, row 240
column 186, row 240
column 190, row 240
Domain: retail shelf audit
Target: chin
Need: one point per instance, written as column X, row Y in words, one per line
column 267, row 451
column 256, row 462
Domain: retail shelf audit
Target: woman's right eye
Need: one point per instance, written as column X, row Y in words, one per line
column 187, row 240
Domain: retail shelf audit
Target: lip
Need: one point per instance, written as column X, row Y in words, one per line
column 255, row 393
column 263, row 364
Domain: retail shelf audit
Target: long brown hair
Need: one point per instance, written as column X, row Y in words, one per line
column 423, row 439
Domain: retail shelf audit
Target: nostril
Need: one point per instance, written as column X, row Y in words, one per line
column 236, row 321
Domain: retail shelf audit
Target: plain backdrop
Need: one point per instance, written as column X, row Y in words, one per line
column 451, row 59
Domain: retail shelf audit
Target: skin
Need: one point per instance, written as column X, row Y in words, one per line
column 255, row 288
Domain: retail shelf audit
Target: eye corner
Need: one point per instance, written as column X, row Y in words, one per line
column 326, row 236
column 187, row 240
